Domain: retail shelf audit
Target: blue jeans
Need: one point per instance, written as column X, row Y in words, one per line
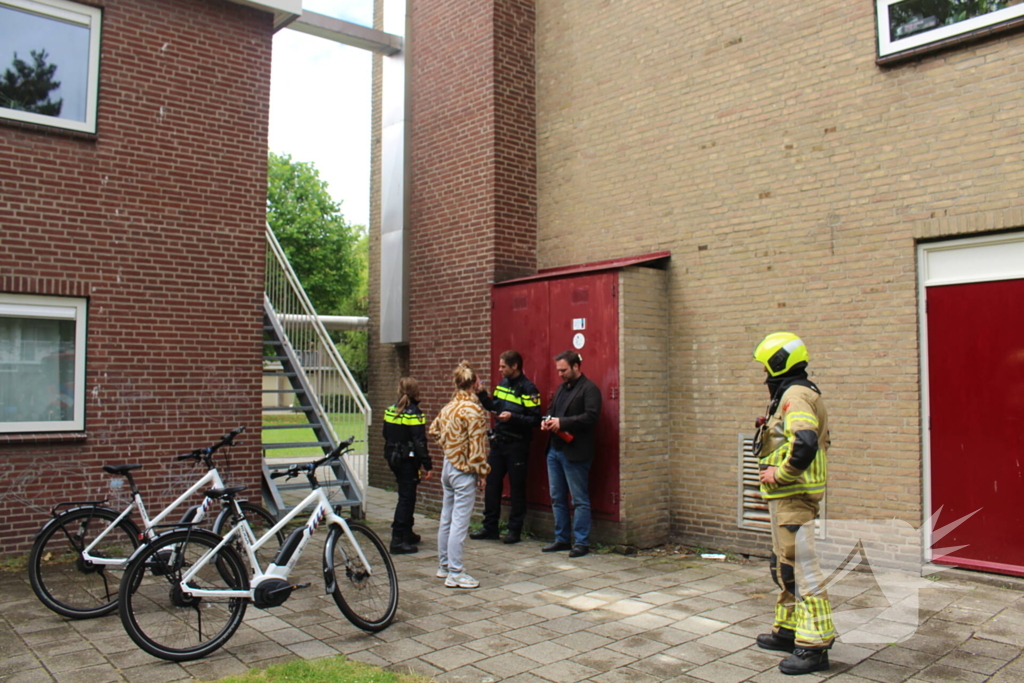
column 565, row 477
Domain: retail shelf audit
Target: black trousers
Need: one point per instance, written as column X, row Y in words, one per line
column 407, row 476
column 507, row 457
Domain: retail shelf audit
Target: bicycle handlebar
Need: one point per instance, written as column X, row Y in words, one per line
column 309, row 467
column 226, row 440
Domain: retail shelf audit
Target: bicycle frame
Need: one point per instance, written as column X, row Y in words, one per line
column 322, row 510
column 210, row 480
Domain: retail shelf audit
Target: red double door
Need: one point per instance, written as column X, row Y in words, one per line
column 540, row 318
column 976, row 399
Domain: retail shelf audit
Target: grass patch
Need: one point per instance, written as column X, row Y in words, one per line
column 345, row 425
column 333, row 669
column 14, row 563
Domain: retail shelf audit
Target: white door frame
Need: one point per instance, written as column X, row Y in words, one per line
column 955, row 262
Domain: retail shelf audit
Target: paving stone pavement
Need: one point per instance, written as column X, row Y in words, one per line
column 543, row 618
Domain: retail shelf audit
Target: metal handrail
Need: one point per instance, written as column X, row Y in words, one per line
column 334, row 389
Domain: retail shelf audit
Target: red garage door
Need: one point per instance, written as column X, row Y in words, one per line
column 976, row 398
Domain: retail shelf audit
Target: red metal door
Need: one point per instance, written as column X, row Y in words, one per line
column 519, row 320
column 976, row 398
column 537, row 318
column 584, row 317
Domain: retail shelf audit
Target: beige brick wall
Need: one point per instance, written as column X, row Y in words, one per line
column 644, row 420
column 790, row 177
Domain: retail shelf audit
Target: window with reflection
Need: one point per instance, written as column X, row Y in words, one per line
column 42, row 364
column 909, row 24
column 49, row 63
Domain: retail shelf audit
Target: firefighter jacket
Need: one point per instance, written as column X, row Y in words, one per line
column 405, row 435
column 519, row 397
column 795, row 439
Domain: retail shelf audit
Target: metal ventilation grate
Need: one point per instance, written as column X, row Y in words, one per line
column 751, row 510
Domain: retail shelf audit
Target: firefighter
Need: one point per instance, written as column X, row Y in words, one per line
column 791, row 443
column 405, row 449
column 516, row 407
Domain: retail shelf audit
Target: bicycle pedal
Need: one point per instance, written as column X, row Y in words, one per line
column 290, row 588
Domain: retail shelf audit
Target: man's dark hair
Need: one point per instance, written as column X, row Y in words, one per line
column 570, row 357
column 513, row 358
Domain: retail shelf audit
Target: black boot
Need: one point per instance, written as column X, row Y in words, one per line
column 413, row 538
column 804, row 662
column 485, row 534
column 781, row 641
column 400, row 546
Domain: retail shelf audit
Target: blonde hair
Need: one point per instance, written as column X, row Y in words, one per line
column 408, row 391
column 463, row 376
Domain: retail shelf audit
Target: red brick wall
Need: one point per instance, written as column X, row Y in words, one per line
column 158, row 219
column 473, row 205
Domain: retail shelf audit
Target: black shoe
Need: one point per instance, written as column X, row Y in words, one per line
column 804, row 662
column 403, row 548
column 413, row 539
column 776, row 641
column 579, row 550
column 555, row 547
column 484, row 534
column 511, row 537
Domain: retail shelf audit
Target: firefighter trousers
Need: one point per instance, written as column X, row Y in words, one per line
column 803, row 606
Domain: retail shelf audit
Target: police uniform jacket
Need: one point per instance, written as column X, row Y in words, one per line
column 405, row 435
column 519, row 397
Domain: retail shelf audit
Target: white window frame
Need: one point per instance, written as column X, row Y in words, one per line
column 888, row 47
column 83, row 15
column 58, row 308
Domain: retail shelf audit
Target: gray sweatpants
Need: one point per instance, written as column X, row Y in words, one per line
column 459, row 496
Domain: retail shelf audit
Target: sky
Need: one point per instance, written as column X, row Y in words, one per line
column 320, row 106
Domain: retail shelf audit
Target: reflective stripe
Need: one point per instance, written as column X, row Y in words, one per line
column 814, row 621
column 806, row 417
column 392, row 417
column 502, row 393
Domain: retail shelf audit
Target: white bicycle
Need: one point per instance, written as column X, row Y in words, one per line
column 184, row 595
column 77, row 557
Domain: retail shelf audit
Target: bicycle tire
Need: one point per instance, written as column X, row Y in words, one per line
column 164, row 621
column 62, row 580
column 260, row 520
column 360, row 595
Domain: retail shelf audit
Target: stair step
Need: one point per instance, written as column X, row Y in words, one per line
column 278, row 373
column 279, row 358
column 297, row 444
column 272, row 342
column 287, row 409
column 284, row 391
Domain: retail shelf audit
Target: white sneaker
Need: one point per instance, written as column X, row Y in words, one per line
column 461, row 580
column 442, row 572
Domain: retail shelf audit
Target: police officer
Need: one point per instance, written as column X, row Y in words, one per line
column 792, row 443
column 405, row 448
column 516, row 406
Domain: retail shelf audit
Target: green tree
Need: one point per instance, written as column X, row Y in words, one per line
column 329, row 256
column 320, row 245
column 27, row 87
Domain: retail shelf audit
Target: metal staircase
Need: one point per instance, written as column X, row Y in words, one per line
column 309, row 395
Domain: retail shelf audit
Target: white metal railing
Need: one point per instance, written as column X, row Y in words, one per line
column 337, row 398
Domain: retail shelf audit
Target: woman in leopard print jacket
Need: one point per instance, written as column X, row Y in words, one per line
column 461, row 431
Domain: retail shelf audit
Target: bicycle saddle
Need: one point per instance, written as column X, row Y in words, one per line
column 120, row 469
column 225, row 492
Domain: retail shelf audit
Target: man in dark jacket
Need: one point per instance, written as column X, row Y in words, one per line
column 571, row 419
column 516, row 408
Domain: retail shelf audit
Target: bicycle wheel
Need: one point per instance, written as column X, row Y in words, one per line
column 260, row 521
column 67, row 583
column 367, row 596
column 170, row 623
